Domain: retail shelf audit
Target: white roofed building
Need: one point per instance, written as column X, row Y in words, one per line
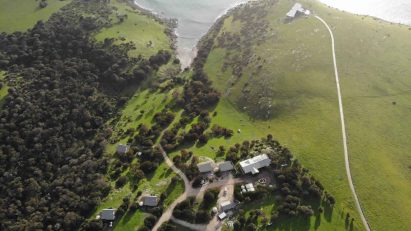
column 296, row 10
column 254, row 164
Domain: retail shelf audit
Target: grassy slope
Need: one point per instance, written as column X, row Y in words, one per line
column 150, row 102
column 298, row 69
column 20, row 15
column 137, row 28
column 376, row 72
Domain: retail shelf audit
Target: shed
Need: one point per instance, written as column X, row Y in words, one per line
column 108, row 214
column 122, row 148
column 225, row 166
column 151, row 201
column 205, row 166
column 227, row 205
column 222, row 216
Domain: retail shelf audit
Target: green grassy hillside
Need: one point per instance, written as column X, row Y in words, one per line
column 277, row 78
column 20, row 15
column 145, row 32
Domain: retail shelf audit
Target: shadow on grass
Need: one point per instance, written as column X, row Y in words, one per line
column 170, row 188
column 317, row 221
column 166, row 173
column 290, row 224
column 126, row 217
column 328, row 211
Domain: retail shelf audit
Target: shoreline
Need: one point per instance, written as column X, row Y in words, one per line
column 186, row 55
column 170, row 24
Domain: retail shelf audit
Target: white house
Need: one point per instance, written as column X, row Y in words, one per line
column 296, row 10
column 205, row 166
column 225, row 166
column 252, row 165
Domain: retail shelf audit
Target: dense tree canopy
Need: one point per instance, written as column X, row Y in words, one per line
column 52, row 122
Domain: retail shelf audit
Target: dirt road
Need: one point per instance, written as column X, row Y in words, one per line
column 343, row 130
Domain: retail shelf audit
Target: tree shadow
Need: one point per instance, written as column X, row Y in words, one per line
column 317, row 221
column 166, row 173
column 127, row 216
column 328, row 211
column 347, row 221
column 292, row 224
column 170, row 188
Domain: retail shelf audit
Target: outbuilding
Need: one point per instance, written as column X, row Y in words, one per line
column 226, row 205
column 225, row 166
column 204, row 167
column 222, row 216
column 296, row 10
column 151, row 201
column 254, row 164
column 122, row 148
column 108, row 214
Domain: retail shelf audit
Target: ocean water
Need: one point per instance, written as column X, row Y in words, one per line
column 398, row 11
column 195, row 17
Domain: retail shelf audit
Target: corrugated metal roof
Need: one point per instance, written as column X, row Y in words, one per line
column 150, row 200
column 108, row 214
column 225, row 166
column 205, row 166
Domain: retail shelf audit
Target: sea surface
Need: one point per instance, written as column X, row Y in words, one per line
column 195, row 17
column 397, row 11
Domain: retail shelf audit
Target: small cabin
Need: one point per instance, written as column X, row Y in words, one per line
column 122, row 148
column 151, row 201
column 108, row 214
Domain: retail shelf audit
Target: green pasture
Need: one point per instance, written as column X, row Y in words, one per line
column 296, row 72
column 20, row 15
column 136, row 28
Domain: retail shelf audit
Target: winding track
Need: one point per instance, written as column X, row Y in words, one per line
column 343, row 130
column 189, row 191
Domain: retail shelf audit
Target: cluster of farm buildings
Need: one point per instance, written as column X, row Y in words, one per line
column 251, row 165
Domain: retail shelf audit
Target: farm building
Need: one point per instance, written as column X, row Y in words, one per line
column 222, row 216
column 151, row 201
column 122, row 148
column 225, row 166
column 108, row 214
column 226, row 205
column 205, row 167
column 252, row 165
column 296, row 10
